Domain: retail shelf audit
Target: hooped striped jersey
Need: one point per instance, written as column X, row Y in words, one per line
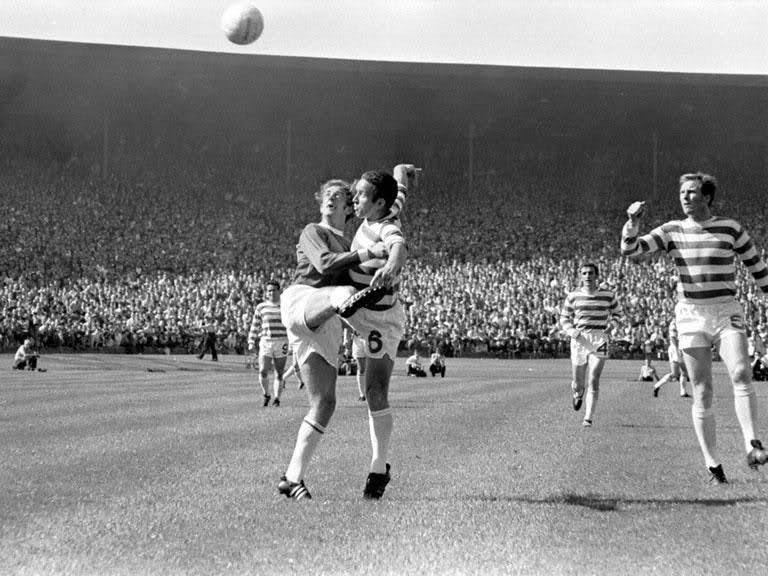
column 589, row 311
column 368, row 234
column 704, row 255
column 267, row 323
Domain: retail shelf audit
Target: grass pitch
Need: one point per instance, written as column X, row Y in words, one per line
column 127, row 465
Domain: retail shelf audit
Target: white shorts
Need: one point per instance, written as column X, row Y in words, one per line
column 597, row 345
column 324, row 340
column 380, row 330
column 673, row 353
column 271, row 348
column 702, row 325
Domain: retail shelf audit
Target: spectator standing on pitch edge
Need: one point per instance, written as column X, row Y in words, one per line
column 309, row 311
column 703, row 247
column 587, row 317
column 208, row 343
column 267, row 327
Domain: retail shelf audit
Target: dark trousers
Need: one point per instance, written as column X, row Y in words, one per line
column 437, row 369
column 208, row 345
column 28, row 363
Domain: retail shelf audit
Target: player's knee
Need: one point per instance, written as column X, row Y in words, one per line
column 702, row 397
column 742, row 375
column 323, row 406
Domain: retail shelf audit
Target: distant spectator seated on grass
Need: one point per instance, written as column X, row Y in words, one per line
column 437, row 364
column 26, row 357
column 648, row 371
column 414, row 367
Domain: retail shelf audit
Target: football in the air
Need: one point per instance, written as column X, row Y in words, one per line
column 242, row 23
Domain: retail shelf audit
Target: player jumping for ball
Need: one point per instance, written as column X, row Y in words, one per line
column 703, row 248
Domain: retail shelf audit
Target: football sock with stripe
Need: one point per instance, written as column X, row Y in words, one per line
column 310, row 434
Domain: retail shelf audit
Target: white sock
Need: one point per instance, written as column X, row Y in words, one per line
column 264, row 381
column 745, row 403
column 380, row 424
column 310, row 434
column 704, row 426
column 278, row 387
column 590, row 403
column 340, row 294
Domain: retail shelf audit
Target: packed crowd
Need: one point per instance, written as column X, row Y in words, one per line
column 95, row 265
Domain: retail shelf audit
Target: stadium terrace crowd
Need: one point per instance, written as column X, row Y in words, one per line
column 94, row 265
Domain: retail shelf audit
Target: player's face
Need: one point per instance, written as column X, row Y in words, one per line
column 273, row 294
column 693, row 202
column 365, row 207
column 588, row 277
column 334, row 202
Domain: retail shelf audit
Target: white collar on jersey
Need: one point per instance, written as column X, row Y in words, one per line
column 332, row 229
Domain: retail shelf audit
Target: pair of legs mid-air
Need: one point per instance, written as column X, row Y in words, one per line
column 698, row 360
column 588, row 354
column 316, row 332
column 266, row 365
column 586, row 381
column 677, row 373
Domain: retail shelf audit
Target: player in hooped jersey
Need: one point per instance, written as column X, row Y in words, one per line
column 703, row 248
column 588, row 315
column 380, row 324
column 267, row 327
column 321, row 288
column 677, row 370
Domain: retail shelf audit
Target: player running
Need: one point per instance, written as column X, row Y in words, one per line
column 267, row 327
column 703, row 248
column 677, row 370
column 587, row 317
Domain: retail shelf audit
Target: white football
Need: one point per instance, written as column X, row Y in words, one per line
column 242, row 23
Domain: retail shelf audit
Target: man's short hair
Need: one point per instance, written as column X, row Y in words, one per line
column 384, row 184
column 274, row 283
column 343, row 185
column 705, row 182
column 590, row 265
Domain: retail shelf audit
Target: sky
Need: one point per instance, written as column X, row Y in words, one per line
column 703, row 36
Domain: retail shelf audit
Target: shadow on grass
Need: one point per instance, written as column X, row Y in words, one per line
column 655, row 426
column 610, row 504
